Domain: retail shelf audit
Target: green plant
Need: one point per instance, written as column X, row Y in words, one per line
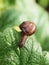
column 14, row 17
column 32, row 53
column 11, row 54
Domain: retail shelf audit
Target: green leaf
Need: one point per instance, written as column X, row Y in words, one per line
column 30, row 53
column 8, row 50
column 11, row 54
column 46, row 56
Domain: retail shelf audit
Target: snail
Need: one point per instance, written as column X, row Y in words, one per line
column 28, row 28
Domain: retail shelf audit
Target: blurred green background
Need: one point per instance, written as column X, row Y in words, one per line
column 32, row 10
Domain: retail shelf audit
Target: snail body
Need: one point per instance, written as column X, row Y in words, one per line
column 28, row 28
